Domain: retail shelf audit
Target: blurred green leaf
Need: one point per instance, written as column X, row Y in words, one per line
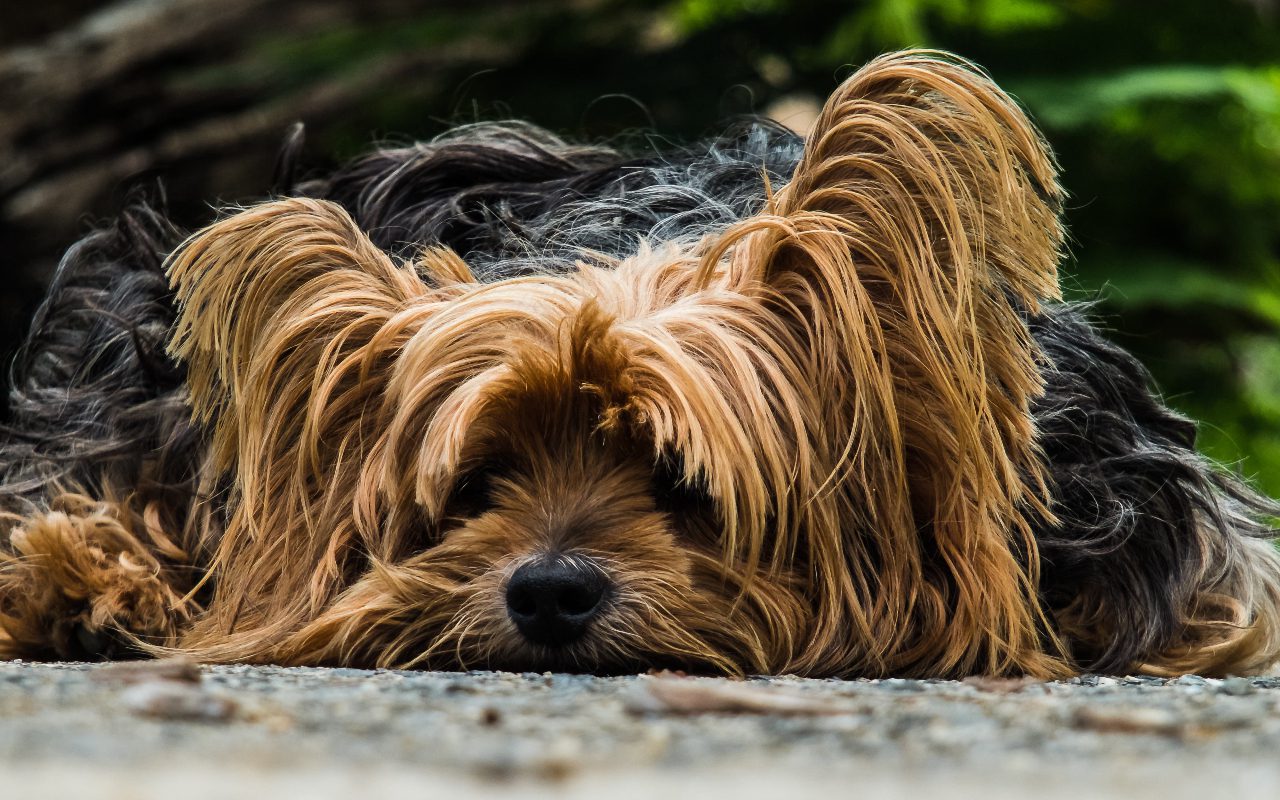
column 695, row 15
column 1071, row 102
column 1137, row 280
column 1007, row 16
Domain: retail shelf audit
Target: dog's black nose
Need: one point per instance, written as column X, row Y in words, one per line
column 552, row 600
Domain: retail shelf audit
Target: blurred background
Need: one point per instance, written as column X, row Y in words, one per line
column 1165, row 115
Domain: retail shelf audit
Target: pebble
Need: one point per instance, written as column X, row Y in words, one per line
column 1237, row 686
column 179, row 670
column 901, row 685
column 166, row 699
column 1128, row 719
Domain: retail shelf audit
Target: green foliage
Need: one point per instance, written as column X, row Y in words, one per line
column 880, row 24
column 1166, row 119
column 1185, row 162
column 695, row 15
column 906, row 23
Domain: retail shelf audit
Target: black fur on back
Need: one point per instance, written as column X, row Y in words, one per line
column 1130, row 493
column 513, row 199
column 96, row 401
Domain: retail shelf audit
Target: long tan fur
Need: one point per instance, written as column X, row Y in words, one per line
column 836, row 393
column 924, row 206
column 841, row 342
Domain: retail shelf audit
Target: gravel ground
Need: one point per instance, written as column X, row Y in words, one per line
column 175, row 731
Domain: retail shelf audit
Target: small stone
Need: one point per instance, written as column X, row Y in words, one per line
column 1001, row 685
column 177, row 670
column 1237, row 686
column 901, row 685
column 692, row 697
column 173, row 700
column 1190, row 680
column 1124, row 719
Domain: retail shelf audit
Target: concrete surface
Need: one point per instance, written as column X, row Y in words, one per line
column 87, row 731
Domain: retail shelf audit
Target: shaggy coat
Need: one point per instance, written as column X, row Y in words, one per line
column 812, row 407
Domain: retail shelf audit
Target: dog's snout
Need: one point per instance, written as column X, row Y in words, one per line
column 552, row 600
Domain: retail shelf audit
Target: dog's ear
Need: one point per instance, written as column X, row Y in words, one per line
column 287, row 324
column 921, row 225
column 269, row 299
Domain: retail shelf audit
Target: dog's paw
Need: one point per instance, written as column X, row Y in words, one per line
column 77, row 583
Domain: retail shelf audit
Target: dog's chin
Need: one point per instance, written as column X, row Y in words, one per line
column 615, row 644
column 579, row 659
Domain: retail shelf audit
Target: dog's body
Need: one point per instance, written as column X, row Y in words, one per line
column 762, row 406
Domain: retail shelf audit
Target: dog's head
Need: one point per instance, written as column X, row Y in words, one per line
column 802, row 445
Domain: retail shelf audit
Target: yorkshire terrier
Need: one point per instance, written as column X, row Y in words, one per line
column 766, row 405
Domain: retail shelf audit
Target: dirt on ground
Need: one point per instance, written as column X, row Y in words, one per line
column 175, row 730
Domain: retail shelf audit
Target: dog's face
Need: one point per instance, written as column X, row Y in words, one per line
column 564, row 544
column 800, row 445
column 553, row 477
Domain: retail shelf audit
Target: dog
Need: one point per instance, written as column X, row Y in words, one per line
column 764, row 405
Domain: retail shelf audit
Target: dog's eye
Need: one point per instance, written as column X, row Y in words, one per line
column 473, row 492
column 673, row 493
